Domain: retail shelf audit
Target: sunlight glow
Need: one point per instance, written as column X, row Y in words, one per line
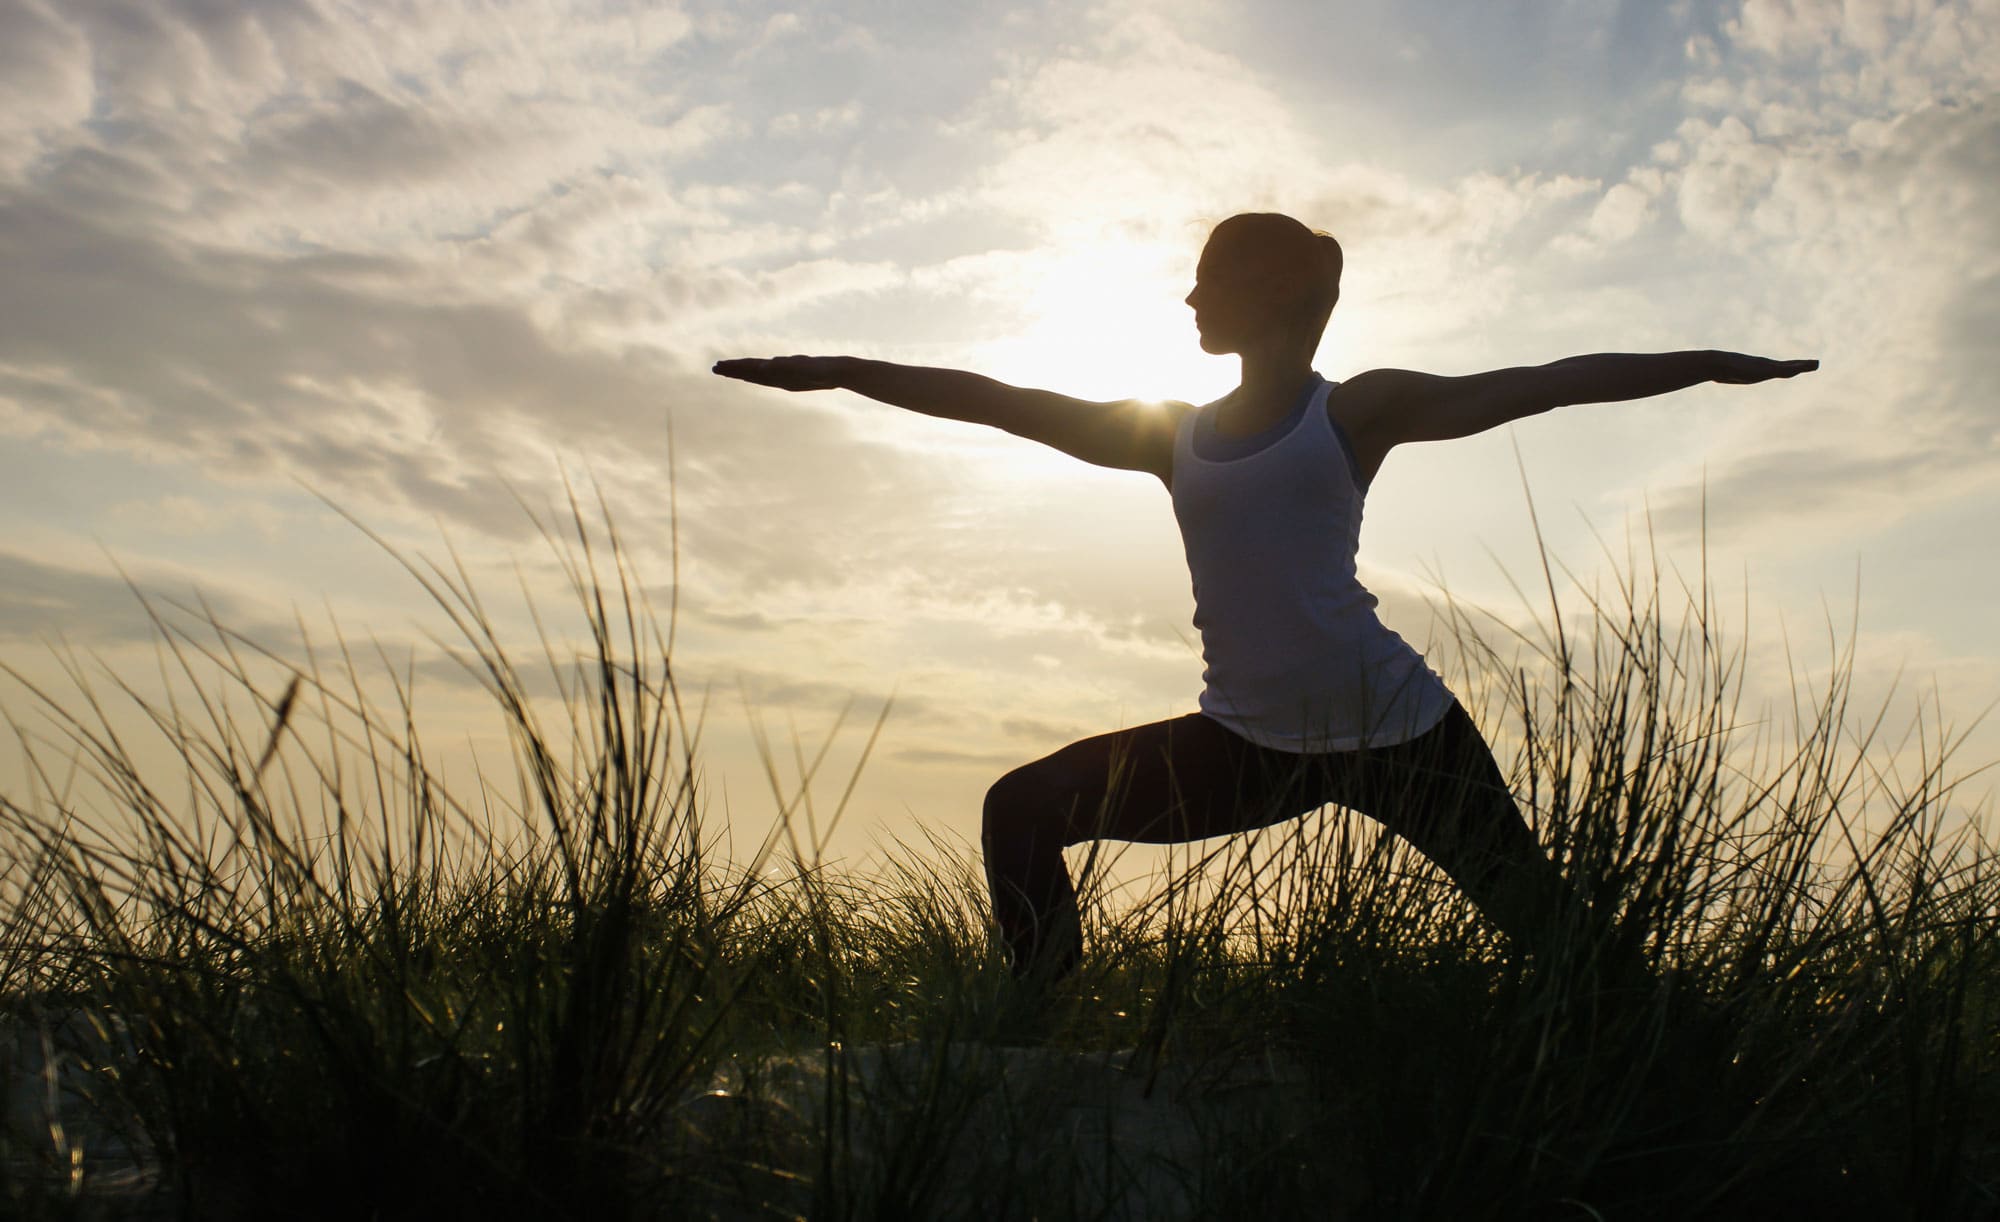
column 1108, row 322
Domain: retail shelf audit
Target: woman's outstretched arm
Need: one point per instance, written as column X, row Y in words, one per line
column 1392, row 406
column 1129, row 434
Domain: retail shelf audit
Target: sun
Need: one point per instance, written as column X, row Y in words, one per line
column 1105, row 320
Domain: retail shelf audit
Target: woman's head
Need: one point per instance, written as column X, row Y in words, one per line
column 1263, row 277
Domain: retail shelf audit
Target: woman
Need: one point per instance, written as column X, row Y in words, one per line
column 1307, row 698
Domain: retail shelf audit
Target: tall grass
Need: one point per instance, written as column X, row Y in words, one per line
column 300, row 974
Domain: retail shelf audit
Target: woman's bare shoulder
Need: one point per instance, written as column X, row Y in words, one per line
column 1362, row 406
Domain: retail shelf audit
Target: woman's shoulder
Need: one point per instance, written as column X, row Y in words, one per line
column 1180, row 413
column 1356, row 409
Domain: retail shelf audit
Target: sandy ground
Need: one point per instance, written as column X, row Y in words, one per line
column 958, row 1130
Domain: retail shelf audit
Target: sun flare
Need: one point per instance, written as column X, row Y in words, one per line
column 1106, row 321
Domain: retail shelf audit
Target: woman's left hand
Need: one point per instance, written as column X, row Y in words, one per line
column 787, row 372
column 1739, row 369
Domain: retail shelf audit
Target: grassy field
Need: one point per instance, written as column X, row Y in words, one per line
column 295, row 975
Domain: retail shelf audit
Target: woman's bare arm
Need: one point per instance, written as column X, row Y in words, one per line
column 1128, row 434
column 1393, row 406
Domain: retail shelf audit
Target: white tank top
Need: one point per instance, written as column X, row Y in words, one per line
column 1296, row 658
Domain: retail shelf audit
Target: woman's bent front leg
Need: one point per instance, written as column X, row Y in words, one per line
column 1163, row 783
column 1023, row 832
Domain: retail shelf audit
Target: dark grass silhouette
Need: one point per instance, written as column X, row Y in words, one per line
column 297, row 974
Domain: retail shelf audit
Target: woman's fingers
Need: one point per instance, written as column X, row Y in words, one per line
column 783, row 372
column 1742, row 369
column 750, row 369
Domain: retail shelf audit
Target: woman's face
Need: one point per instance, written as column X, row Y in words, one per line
column 1236, row 300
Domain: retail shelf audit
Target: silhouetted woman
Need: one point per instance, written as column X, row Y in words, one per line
column 1307, row 698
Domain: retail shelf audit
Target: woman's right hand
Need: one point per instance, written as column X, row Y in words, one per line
column 787, row 372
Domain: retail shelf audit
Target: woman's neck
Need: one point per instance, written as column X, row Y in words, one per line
column 1270, row 383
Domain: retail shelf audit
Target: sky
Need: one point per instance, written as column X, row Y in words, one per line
column 266, row 263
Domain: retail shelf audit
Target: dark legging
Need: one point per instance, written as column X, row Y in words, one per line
column 1190, row 778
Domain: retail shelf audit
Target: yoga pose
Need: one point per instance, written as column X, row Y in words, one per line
column 1307, row 698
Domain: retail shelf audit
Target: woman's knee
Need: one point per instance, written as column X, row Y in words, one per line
column 1022, row 807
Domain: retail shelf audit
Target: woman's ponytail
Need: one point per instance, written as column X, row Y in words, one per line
column 1331, row 261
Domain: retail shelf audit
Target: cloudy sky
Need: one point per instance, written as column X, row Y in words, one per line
column 421, row 260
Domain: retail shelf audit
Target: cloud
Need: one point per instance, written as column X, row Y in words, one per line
column 1037, row 729
column 297, row 364
column 995, row 761
column 46, row 603
column 409, row 261
column 1813, row 492
column 1821, row 30
column 1620, row 213
column 1115, row 133
column 1827, row 191
column 45, row 81
column 370, row 380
